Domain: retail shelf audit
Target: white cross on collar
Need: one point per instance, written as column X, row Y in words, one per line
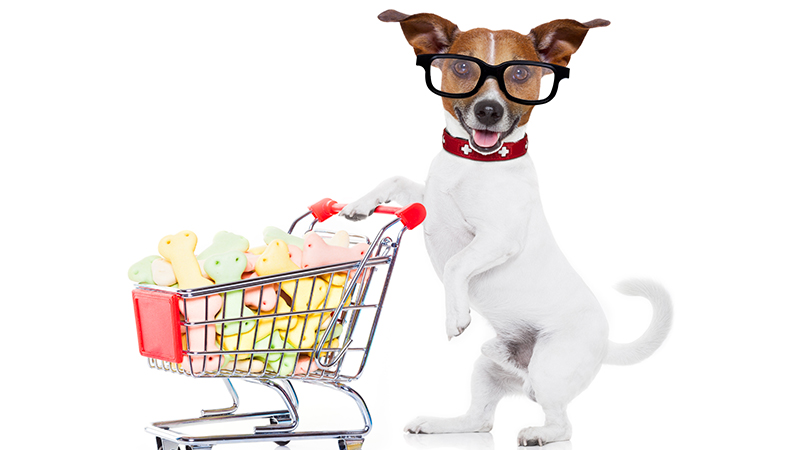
column 466, row 149
column 503, row 152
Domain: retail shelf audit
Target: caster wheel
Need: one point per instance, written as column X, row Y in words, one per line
column 351, row 444
column 166, row 445
column 282, row 443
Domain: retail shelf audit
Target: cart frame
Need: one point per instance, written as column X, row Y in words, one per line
column 326, row 362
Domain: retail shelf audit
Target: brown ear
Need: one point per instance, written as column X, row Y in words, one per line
column 427, row 33
column 556, row 41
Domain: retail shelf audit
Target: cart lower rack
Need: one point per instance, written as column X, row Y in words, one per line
column 314, row 325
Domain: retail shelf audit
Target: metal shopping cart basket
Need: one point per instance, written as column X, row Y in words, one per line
column 331, row 312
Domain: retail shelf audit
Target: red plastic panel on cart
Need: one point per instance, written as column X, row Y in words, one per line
column 158, row 325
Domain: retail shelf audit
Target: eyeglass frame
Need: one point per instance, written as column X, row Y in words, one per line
column 494, row 71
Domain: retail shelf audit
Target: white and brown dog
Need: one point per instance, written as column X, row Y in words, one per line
column 552, row 335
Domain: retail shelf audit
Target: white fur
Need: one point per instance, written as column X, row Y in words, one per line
column 491, row 246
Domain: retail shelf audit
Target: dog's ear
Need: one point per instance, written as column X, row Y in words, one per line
column 556, row 41
column 427, row 33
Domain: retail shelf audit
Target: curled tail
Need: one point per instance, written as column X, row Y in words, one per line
column 647, row 343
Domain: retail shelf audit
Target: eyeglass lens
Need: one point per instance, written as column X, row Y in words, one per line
column 460, row 76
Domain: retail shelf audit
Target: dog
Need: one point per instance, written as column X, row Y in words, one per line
column 486, row 232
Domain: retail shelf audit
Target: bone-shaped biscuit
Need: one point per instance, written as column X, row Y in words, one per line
column 306, row 293
column 272, row 233
column 242, row 364
column 316, row 252
column 140, row 272
column 200, row 309
column 339, row 239
column 260, row 298
column 178, row 249
column 163, row 275
column 285, row 359
column 223, row 242
column 201, row 338
column 226, row 268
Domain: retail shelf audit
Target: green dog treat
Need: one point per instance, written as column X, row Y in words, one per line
column 225, row 268
column 141, row 272
column 224, row 242
column 275, row 342
column 272, row 233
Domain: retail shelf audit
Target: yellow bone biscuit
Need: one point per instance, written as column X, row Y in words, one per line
column 304, row 293
column 178, row 249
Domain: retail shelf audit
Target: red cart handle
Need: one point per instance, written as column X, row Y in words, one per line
column 411, row 215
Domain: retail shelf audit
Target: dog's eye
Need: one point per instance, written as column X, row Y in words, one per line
column 519, row 73
column 461, row 68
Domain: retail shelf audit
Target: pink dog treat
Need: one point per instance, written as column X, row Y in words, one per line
column 316, row 252
column 268, row 296
column 194, row 310
column 303, row 366
column 202, row 339
column 252, row 258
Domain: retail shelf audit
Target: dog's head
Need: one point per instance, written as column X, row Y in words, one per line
column 488, row 117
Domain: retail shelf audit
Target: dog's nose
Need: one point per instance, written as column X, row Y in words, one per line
column 488, row 112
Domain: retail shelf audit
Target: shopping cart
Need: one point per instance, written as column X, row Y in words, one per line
column 332, row 311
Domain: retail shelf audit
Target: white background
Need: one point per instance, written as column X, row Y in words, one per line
column 667, row 154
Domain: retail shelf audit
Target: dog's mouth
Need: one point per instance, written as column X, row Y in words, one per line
column 485, row 141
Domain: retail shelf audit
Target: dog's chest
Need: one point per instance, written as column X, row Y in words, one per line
column 458, row 192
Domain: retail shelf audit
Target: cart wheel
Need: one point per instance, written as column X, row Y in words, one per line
column 166, row 445
column 350, row 444
column 282, row 443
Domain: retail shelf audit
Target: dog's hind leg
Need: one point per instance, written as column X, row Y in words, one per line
column 490, row 383
column 562, row 366
column 399, row 189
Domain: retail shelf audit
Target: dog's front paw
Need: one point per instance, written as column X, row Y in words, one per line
column 457, row 322
column 359, row 210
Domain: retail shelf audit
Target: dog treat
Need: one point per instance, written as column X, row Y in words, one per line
column 178, row 249
column 252, row 259
column 240, row 341
column 226, row 268
column 141, row 272
column 316, row 252
column 340, row 239
column 265, row 295
column 257, row 250
column 243, row 365
column 223, row 242
column 272, row 233
column 201, row 338
column 275, row 259
column 305, row 365
column 163, row 275
column 285, row 359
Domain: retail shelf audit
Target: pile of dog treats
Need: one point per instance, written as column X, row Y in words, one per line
column 229, row 258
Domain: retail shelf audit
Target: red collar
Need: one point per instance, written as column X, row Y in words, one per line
column 461, row 147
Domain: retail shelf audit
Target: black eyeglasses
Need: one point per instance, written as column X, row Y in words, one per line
column 461, row 76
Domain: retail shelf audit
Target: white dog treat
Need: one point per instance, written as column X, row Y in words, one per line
column 163, row 275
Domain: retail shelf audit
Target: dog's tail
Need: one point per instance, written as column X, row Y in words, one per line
column 660, row 324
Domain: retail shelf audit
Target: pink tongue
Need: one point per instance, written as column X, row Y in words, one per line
column 485, row 138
